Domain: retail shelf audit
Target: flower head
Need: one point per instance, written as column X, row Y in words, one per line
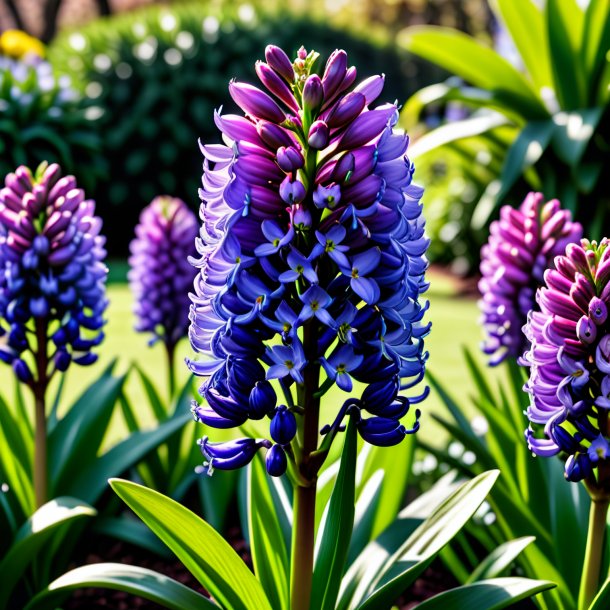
column 314, row 190
column 569, row 363
column 52, row 274
column 521, row 246
column 160, row 274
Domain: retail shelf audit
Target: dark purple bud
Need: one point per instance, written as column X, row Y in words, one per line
column 346, row 110
column 280, row 62
column 40, row 245
column 318, row 135
column 22, row 370
column 578, row 467
column 598, row 312
column 371, row 88
column 313, row 93
column 366, row 127
column 276, row 461
column 255, row 102
column 231, row 454
column 86, row 359
column 276, row 85
column 62, row 360
column 289, row 159
column 292, row 191
column 262, row 400
column 381, row 431
column 273, row 135
column 334, row 72
column 379, row 394
column 344, row 169
column 283, row 426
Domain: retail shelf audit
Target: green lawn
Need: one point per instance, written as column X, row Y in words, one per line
column 454, row 319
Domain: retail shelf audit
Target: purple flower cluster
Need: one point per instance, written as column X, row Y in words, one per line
column 570, row 360
column 522, row 245
column 312, row 260
column 160, row 274
column 52, row 274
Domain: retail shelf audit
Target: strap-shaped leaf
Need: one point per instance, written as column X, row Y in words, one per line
column 602, row 599
column 428, row 540
column 596, row 41
column 367, row 507
column 269, row 552
column 132, row 579
column 201, row 549
column 33, row 535
column 336, row 529
column 499, row 559
column 492, row 594
column 477, row 64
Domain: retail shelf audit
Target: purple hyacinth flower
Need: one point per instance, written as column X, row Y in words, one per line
column 52, row 273
column 161, row 275
column 521, row 246
column 311, row 263
column 568, row 382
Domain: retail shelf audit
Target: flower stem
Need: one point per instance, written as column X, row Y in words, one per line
column 170, row 350
column 39, row 388
column 589, row 582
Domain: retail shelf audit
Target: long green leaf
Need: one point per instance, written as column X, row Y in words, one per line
column 596, row 41
column 269, row 552
column 477, row 64
column 336, row 529
column 492, row 594
column 75, row 440
column 428, row 540
column 202, row 550
column 33, row 535
column 602, row 599
column 130, row 579
column 525, row 24
column 91, row 481
column 499, row 559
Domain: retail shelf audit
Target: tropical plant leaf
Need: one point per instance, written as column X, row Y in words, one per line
column 499, row 559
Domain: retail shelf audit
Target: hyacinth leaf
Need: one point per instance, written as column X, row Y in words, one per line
column 572, row 134
column 366, row 510
column 130, row 530
column 335, row 531
column 145, row 583
column 452, row 132
column 216, row 494
column 524, row 152
column 565, row 23
column 34, row 534
column 76, row 439
column 477, row 64
column 525, row 22
column 492, row 594
column 427, row 541
column 201, row 549
column 596, row 41
column 269, row 552
column 154, row 400
column 326, row 483
column 499, row 559
column 91, row 480
column 363, row 571
column 602, row 599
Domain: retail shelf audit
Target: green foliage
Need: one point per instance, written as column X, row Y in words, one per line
column 160, row 73
column 42, row 118
column 555, row 108
column 531, row 496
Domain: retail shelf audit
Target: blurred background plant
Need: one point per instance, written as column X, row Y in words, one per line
column 539, row 114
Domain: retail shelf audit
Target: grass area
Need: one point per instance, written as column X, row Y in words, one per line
column 454, row 319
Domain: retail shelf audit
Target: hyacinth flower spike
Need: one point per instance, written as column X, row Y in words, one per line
column 569, row 383
column 160, row 273
column 52, row 286
column 311, row 266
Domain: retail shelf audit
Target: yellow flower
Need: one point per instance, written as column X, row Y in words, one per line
column 18, row 44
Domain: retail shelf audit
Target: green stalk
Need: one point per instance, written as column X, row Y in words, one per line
column 589, row 582
column 304, row 503
column 170, row 350
column 39, row 389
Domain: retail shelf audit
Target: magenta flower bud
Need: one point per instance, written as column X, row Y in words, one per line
column 334, row 72
column 280, row 62
column 313, row 93
column 289, row 159
column 586, row 331
column 302, row 53
column 292, row 191
column 255, row 102
column 346, row 109
column 276, row 85
column 318, row 135
column 598, row 312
